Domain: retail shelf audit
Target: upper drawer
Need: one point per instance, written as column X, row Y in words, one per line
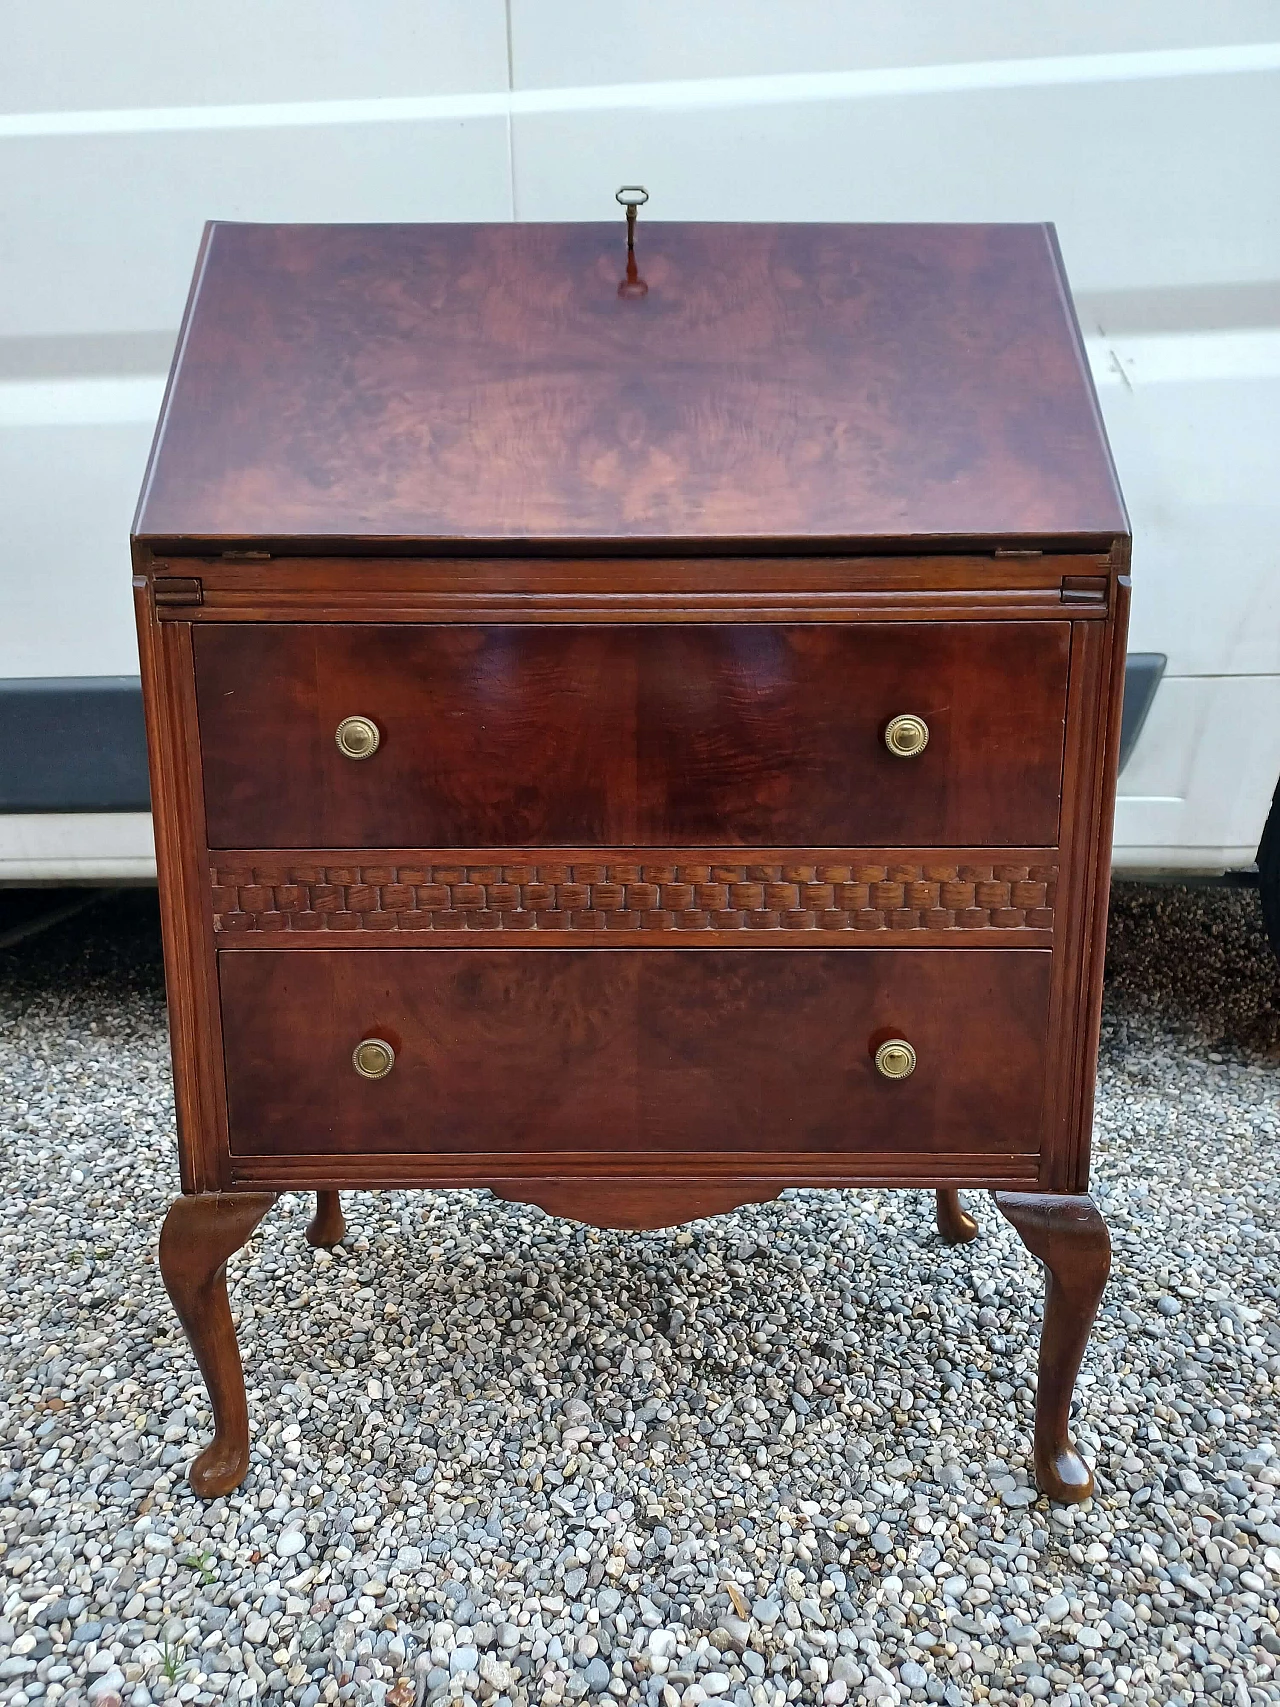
column 632, row 736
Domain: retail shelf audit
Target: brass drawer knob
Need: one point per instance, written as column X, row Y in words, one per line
column 906, row 736
column 896, row 1059
column 373, row 1058
column 357, row 737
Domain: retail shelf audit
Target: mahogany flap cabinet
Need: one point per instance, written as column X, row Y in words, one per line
column 632, row 726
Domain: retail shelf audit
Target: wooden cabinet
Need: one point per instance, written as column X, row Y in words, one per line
column 633, row 751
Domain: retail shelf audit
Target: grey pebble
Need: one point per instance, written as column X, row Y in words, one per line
column 736, row 1632
column 1015, row 1498
column 464, row 1658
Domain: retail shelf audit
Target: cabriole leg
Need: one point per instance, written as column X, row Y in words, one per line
column 955, row 1224
column 327, row 1226
column 198, row 1236
column 1070, row 1238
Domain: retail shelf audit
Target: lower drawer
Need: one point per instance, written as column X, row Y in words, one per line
column 610, row 1051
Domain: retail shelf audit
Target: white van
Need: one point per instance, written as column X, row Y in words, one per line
column 1148, row 130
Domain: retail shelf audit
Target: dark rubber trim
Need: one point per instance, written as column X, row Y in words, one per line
column 1142, row 673
column 73, row 744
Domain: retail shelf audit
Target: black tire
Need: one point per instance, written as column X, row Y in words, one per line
column 1269, row 873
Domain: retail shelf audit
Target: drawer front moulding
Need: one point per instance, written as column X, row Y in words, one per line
column 677, row 892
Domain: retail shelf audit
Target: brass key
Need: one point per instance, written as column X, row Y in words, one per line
column 632, row 197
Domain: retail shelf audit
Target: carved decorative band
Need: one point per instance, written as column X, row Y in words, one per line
column 678, row 894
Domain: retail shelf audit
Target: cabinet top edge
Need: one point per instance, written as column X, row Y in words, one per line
column 627, row 548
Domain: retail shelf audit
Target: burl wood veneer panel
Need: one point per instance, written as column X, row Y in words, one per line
column 805, row 382
column 643, row 735
column 640, row 1049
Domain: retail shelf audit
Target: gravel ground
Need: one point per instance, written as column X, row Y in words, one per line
column 776, row 1456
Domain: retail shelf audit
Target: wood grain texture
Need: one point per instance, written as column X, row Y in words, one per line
column 824, row 383
column 635, row 1050
column 341, row 584
column 199, row 1234
column 686, row 609
column 177, row 810
column 897, row 586
column 1089, row 782
column 681, row 894
column 630, row 1204
column 632, row 736
column 327, row 1226
column 756, row 1174
column 1070, row 1238
column 1099, row 802
column 955, row 1224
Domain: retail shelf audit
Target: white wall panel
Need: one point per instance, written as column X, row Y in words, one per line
column 1198, row 461
column 64, row 555
column 1196, row 792
column 556, row 43
column 101, row 232
column 65, row 54
column 1122, row 167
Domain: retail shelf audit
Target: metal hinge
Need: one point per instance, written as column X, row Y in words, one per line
column 247, row 556
column 178, row 590
column 1015, row 551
